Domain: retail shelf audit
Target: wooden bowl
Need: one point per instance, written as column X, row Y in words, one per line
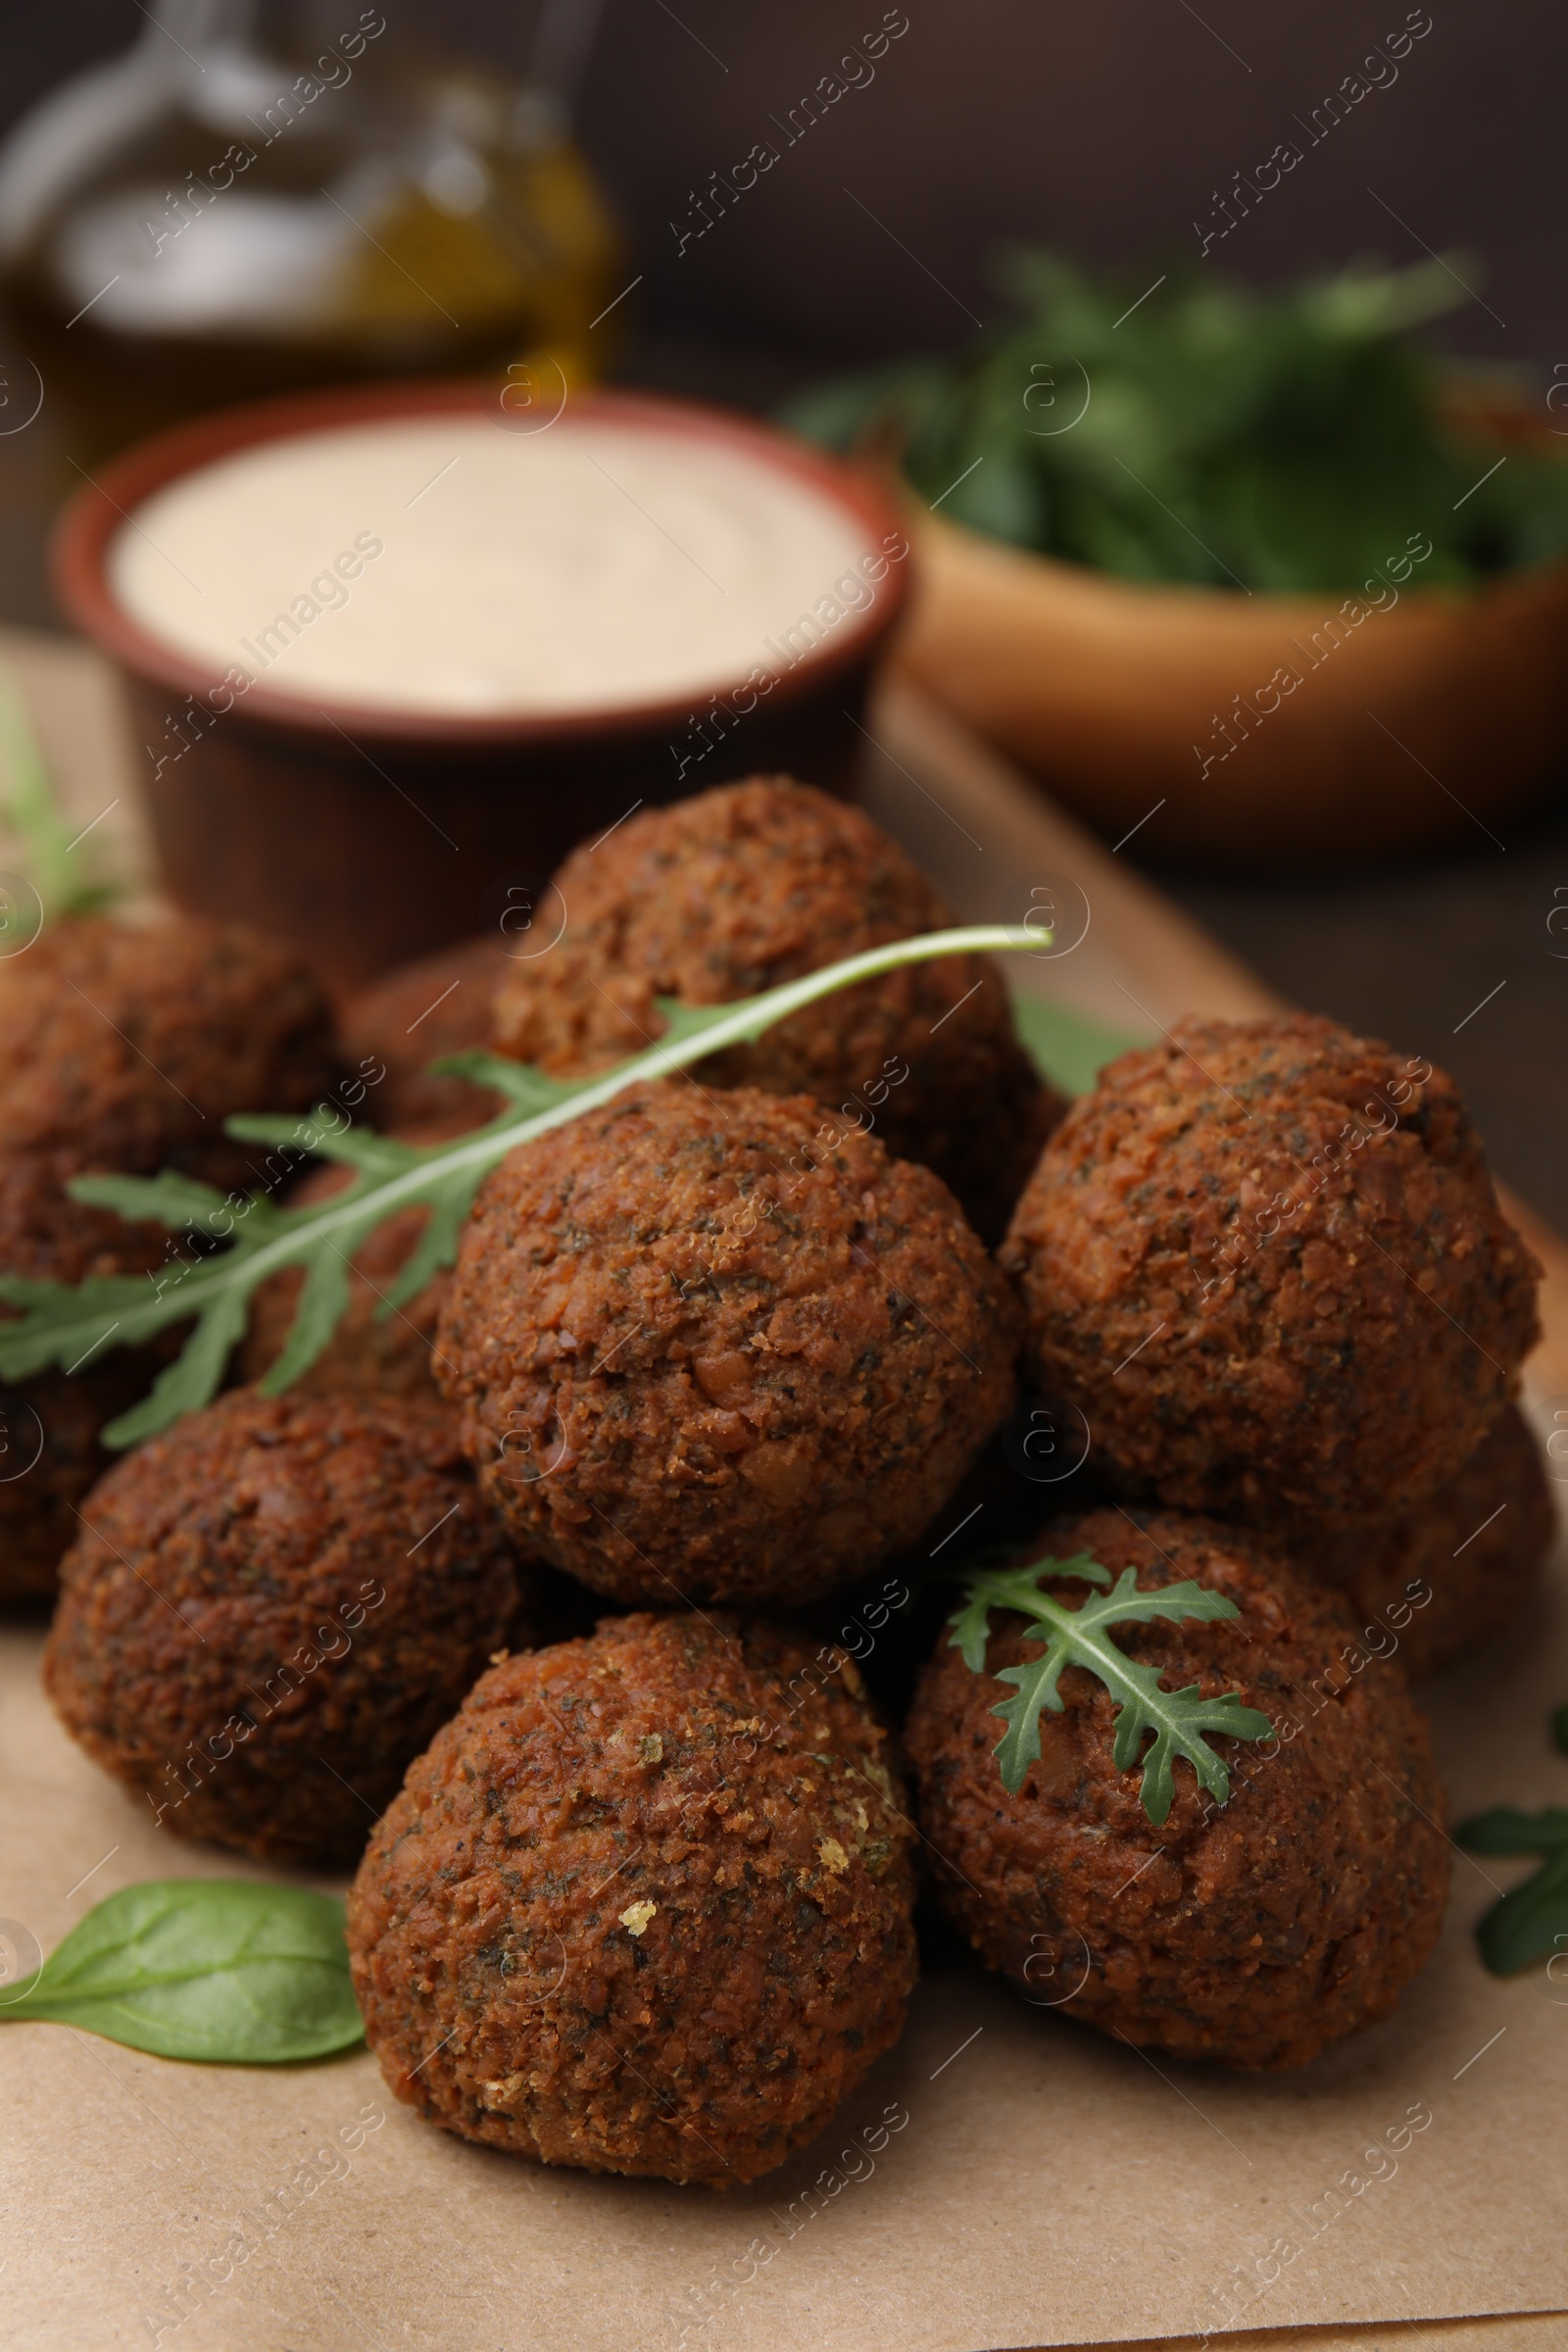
column 1261, row 727
column 372, row 835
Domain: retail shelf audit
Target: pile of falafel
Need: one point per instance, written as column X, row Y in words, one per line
column 640, row 1895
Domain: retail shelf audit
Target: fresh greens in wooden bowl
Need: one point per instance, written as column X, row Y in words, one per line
column 1209, row 434
column 1258, row 571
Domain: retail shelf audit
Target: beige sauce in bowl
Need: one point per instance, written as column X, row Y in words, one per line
column 443, row 564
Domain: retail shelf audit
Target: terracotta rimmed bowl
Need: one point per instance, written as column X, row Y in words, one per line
column 370, row 834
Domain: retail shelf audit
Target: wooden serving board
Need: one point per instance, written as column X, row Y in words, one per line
column 1046, row 2186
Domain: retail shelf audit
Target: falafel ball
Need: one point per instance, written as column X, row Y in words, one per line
column 419, row 1011
column 269, row 1609
column 645, row 1906
column 699, row 1354
column 1266, row 1261
column 1447, row 1576
column 387, row 1354
column 126, row 1046
column 738, row 890
column 1256, row 1932
column 50, row 1454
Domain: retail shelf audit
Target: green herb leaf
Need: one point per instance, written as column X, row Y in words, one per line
column 1531, row 1922
column 687, row 1020
column 61, row 1324
column 1064, row 1048
column 215, row 1969
column 1179, row 1720
column 66, row 882
column 1198, row 430
column 516, row 1080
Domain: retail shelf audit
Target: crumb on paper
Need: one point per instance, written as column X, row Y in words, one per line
column 634, row 1918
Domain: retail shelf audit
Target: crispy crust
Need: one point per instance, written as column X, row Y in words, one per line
column 699, row 1357
column 1257, row 1314
column 126, row 1047
column 47, row 1237
column 1445, row 1578
column 737, row 890
column 1267, row 1928
column 214, row 1586
column 644, row 1908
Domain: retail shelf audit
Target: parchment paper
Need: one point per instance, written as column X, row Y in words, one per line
column 1005, row 2178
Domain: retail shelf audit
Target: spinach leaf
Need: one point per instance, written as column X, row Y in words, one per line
column 1065, row 1047
column 216, row 1969
column 1178, row 1719
column 1531, row 1922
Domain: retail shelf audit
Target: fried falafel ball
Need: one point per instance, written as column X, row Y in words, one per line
column 645, row 1906
column 1448, row 1574
column 738, row 890
column 269, row 1609
column 50, row 1454
column 700, row 1354
column 1256, row 1932
column 1265, row 1259
column 414, row 1016
column 125, row 1047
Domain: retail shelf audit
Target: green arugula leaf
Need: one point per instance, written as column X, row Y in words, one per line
column 1178, row 1719
column 682, row 1021
column 1531, row 1922
column 65, row 1325
column 519, row 1081
column 214, row 1969
column 166, row 1200
column 48, row 837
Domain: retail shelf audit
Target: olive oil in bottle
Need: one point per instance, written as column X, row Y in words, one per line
column 255, row 200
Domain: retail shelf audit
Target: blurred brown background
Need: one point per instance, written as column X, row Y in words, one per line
column 1104, row 128
column 1105, row 131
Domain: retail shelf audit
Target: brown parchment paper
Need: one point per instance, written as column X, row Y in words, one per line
column 1536, row 2332
column 1005, row 2178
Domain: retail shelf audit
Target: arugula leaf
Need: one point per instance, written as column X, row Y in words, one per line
column 1531, row 1922
column 48, row 837
column 214, row 1969
column 64, row 1324
column 519, row 1081
column 1178, row 1719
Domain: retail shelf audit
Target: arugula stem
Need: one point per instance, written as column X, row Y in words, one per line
column 749, row 1018
column 66, row 1326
